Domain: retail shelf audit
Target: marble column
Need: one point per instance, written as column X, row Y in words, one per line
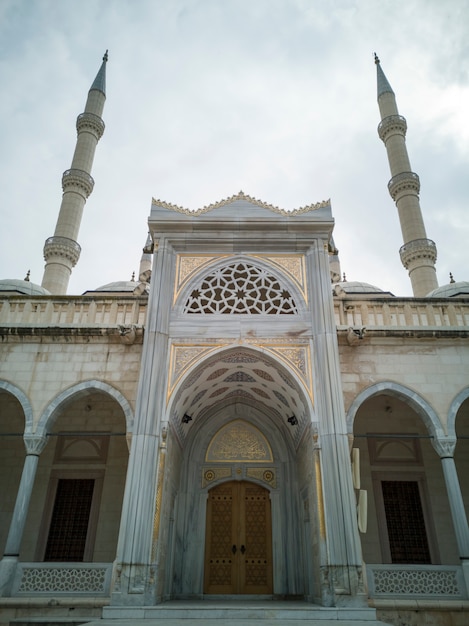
column 344, row 565
column 34, row 446
column 134, row 572
column 445, row 449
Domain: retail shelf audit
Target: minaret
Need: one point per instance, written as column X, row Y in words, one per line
column 418, row 254
column 62, row 251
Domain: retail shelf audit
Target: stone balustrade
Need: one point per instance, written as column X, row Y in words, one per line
column 78, row 311
column 374, row 314
column 402, row 313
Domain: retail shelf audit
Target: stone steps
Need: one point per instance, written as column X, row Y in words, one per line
column 227, row 613
column 236, row 613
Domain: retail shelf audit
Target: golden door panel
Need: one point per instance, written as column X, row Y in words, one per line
column 238, row 546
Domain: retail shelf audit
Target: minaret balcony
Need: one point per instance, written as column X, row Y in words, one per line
column 418, row 249
column 89, row 122
column 62, row 247
column 79, row 179
column 404, row 182
column 393, row 124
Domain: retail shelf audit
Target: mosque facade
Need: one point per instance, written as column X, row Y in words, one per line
column 239, row 423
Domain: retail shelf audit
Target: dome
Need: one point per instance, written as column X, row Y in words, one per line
column 119, row 285
column 122, row 287
column 451, row 290
column 356, row 288
column 13, row 286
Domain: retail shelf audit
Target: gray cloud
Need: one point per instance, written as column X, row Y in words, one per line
column 277, row 98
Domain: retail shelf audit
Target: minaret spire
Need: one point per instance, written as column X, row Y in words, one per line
column 62, row 251
column 418, row 254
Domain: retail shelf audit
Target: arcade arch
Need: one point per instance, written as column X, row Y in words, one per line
column 14, row 408
column 409, row 519
column 239, row 395
column 458, row 421
column 80, row 477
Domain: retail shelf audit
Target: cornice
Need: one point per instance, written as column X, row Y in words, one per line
column 240, row 196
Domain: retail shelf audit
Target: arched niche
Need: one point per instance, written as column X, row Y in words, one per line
column 408, row 509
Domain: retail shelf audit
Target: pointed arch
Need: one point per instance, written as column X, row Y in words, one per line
column 267, row 381
column 240, row 285
column 23, row 400
column 49, row 415
column 453, row 410
column 418, row 404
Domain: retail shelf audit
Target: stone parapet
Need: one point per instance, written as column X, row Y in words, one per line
column 439, row 317
column 72, row 311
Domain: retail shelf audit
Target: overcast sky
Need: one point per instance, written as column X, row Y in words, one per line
column 205, row 98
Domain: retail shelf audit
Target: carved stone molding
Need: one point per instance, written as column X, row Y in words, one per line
column 416, row 250
column 78, row 180
column 240, row 196
column 187, row 264
column 62, row 247
column 444, row 447
column 91, row 123
column 35, row 444
column 393, row 124
column 182, row 356
column 293, row 265
column 404, row 182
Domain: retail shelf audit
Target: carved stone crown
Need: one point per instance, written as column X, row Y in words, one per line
column 241, row 196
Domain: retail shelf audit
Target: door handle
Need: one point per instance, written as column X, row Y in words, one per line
column 243, row 549
column 233, row 549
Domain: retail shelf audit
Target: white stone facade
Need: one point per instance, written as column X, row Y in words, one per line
column 235, row 425
column 84, row 380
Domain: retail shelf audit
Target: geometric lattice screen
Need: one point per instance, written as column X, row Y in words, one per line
column 240, row 288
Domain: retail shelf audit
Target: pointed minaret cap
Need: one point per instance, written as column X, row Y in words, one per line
column 145, row 263
column 383, row 84
column 99, row 83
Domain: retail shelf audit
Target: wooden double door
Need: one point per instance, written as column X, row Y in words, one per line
column 238, row 542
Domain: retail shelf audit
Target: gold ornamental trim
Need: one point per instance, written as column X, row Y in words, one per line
column 264, row 474
column 238, row 442
column 297, row 357
column 188, row 264
column 240, row 196
column 158, row 501
column 293, row 265
column 319, row 496
column 183, row 355
column 210, row 475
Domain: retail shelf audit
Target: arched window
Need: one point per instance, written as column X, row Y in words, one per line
column 240, row 288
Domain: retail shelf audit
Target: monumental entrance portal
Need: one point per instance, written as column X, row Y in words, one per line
column 245, row 485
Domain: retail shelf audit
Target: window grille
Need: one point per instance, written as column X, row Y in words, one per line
column 405, row 521
column 240, row 288
column 70, row 517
